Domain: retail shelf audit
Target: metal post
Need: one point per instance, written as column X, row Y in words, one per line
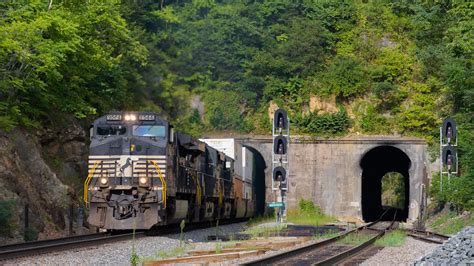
column 71, row 217
column 27, row 222
column 441, row 159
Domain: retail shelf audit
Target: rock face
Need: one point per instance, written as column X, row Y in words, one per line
column 458, row 250
column 40, row 170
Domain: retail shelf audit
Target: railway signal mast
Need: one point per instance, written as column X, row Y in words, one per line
column 448, row 143
column 280, row 161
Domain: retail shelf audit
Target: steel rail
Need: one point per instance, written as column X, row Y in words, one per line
column 318, row 245
column 427, row 236
column 33, row 248
column 279, row 256
column 346, row 255
column 52, row 245
column 355, row 250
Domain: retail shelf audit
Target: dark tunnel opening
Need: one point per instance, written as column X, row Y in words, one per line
column 375, row 164
column 259, row 166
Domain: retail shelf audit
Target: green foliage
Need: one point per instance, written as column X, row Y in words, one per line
column 410, row 64
column 265, row 230
column 308, row 214
column 372, row 122
column 30, row 234
column 394, row 238
column 7, row 211
column 354, row 239
column 224, row 111
column 345, row 77
column 328, row 123
column 393, row 190
column 134, row 258
column 450, row 222
column 308, row 207
column 74, row 60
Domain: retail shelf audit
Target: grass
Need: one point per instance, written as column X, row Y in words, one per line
column 260, row 220
column 308, row 218
column 354, row 239
column 264, row 231
column 326, row 235
column 218, row 248
column 394, row 238
column 160, row 254
column 450, row 223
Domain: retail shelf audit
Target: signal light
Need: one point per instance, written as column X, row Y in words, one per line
column 279, row 174
column 280, row 145
column 449, row 131
column 280, row 119
column 449, row 157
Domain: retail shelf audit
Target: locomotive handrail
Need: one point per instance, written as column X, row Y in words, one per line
column 163, row 182
column 88, row 180
column 198, row 189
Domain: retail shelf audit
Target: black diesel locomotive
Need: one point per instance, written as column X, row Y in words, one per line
column 143, row 174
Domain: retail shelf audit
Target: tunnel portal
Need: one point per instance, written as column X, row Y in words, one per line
column 375, row 164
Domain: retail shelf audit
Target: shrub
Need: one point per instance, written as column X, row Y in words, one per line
column 31, row 234
column 7, row 211
column 337, row 123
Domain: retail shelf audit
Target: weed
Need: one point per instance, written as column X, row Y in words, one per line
column 170, row 253
column 325, row 235
column 450, row 223
column 392, row 239
column 354, row 239
column 265, row 231
column 308, row 214
column 218, row 248
column 134, row 259
column 261, row 220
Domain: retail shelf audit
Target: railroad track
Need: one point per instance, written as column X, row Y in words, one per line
column 427, row 236
column 34, row 248
column 333, row 250
column 59, row 244
column 329, row 251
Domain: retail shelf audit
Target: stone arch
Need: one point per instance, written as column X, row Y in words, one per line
column 259, row 182
column 375, row 163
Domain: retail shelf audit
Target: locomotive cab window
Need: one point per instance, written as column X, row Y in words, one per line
column 149, row 131
column 111, row 130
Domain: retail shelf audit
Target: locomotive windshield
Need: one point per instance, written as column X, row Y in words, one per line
column 111, row 130
column 149, row 131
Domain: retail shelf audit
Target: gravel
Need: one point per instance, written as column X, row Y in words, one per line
column 412, row 250
column 119, row 253
column 459, row 249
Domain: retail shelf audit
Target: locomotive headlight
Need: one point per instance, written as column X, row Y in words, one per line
column 127, row 117
column 103, row 181
column 133, row 117
column 143, row 180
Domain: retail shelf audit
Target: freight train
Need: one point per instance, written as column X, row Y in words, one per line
column 143, row 174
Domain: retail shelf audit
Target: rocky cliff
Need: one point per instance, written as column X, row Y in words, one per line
column 43, row 170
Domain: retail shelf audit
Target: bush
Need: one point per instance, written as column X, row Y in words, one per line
column 31, row 234
column 307, row 207
column 7, row 211
column 337, row 123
